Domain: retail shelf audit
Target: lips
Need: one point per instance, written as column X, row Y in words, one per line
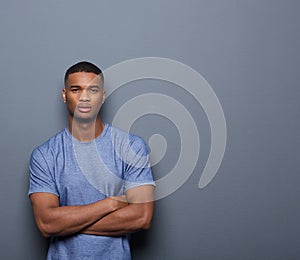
column 84, row 109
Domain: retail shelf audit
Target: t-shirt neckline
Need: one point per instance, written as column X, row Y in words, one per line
column 70, row 136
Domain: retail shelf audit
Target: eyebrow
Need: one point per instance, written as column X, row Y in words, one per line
column 94, row 86
column 91, row 86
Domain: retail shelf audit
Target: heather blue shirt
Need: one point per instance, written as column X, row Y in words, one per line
column 80, row 173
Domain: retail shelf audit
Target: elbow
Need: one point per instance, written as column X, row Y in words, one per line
column 147, row 217
column 45, row 235
column 146, row 226
column 46, row 230
column 146, row 223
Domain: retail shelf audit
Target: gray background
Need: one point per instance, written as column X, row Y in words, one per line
column 248, row 50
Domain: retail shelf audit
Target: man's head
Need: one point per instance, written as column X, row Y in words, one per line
column 83, row 92
column 84, row 66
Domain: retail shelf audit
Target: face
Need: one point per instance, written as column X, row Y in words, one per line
column 84, row 95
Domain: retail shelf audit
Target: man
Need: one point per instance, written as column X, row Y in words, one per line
column 90, row 184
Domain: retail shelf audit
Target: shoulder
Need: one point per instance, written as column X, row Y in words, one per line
column 50, row 145
column 126, row 145
column 125, row 138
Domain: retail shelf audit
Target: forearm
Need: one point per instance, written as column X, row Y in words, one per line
column 66, row 220
column 71, row 219
column 127, row 220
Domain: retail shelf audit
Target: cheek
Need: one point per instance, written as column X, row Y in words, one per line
column 98, row 105
column 71, row 107
column 97, row 101
column 72, row 103
column 72, row 99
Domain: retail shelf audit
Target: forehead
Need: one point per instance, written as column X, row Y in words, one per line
column 84, row 79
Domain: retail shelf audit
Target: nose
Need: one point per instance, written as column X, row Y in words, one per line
column 84, row 97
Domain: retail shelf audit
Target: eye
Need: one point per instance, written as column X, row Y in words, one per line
column 94, row 90
column 74, row 90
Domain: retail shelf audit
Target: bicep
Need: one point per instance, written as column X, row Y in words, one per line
column 140, row 194
column 41, row 202
column 141, row 202
column 142, row 198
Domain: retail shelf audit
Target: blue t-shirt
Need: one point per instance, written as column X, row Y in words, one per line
column 81, row 173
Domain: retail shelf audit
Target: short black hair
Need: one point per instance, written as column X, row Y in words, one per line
column 84, row 66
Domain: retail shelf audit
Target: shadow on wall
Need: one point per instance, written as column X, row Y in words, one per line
column 138, row 242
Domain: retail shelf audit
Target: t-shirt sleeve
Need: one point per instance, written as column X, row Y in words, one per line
column 138, row 171
column 41, row 174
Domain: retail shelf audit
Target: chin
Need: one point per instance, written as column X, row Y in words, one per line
column 85, row 119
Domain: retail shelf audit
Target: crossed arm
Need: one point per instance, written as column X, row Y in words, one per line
column 112, row 216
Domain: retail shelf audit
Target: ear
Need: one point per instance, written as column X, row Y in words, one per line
column 64, row 95
column 104, row 96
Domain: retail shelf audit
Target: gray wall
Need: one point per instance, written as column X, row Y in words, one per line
column 248, row 50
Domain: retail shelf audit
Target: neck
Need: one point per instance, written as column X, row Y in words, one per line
column 85, row 131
